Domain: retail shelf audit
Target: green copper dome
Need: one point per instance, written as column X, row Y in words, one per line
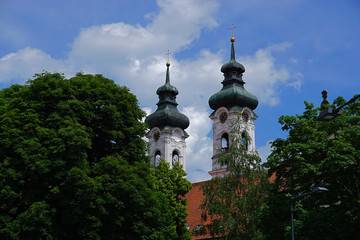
column 233, row 94
column 167, row 115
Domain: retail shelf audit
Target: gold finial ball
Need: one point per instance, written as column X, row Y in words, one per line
column 167, row 63
column 232, row 39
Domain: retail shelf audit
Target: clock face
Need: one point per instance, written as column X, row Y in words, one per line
column 223, row 117
column 245, row 117
column 156, row 136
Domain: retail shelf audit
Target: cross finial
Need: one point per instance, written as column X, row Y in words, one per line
column 232, row 39
column 168, row 56
column 232, row 29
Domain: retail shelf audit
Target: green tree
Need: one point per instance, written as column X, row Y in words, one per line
column 315, row 154
column 73, row 163
column 234, row 202
column 174, row 185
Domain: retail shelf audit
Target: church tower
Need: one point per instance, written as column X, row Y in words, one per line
column 167, row 127
column 230, row 102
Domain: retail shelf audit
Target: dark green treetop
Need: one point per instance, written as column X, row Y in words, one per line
column 325, row 154
column 73, row 163
column 174, row 185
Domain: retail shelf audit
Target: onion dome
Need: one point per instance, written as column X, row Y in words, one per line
column 233, row 94
column 167, row 115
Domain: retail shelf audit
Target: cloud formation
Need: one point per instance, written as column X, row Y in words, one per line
column 19, row 66
column 134, row 55
column 263, row 76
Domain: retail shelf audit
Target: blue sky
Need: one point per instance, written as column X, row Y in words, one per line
column 291, row 51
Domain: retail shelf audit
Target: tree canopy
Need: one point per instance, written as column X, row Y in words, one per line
column 174, row 185
column 325, row 154
column 234, row 202
column 73, row 163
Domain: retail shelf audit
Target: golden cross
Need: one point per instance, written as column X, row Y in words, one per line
column 232, row 29
column 168, row 54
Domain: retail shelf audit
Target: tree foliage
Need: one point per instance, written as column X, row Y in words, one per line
column 174, row 185
column 315, row 154
column 233, row 203
column 73, row 164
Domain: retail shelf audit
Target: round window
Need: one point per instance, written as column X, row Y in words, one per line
column 223, row 117
column 156, row 136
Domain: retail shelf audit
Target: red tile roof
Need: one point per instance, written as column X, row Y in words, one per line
column 195, row 198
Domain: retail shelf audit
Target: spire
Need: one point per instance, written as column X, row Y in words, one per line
column 232, row 39
column 167, row 66
column 167, row 115
column 232, row 58
column 233, row 70
column 167, row 81
column 167, row 92
column 233, row 93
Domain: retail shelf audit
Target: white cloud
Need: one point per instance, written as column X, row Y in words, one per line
column 177, row 24
column 297, row 81
column 263, row 76
column 147, row 110
column 197, row 175
column 264, row 151
column 182, row 21
column 197, row 79
column 294, row 60
column 199, row 145
column 19, row 66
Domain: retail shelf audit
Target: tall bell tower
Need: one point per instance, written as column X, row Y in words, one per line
column 230, row 102
column 167, row 127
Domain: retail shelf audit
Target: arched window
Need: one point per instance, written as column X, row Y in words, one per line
column 225, row 142
column 157, row 158
column 244, row 141
column 175, row 157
